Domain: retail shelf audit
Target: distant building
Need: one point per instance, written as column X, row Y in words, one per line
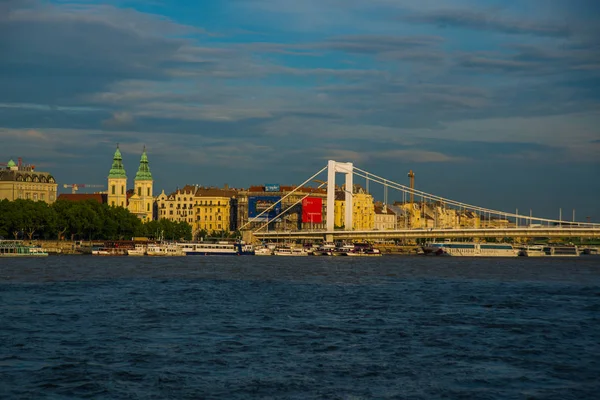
column 19, row 181
column 215, row 210
column 299, row 209
column 177, row 206
column 385, row 218
column 140, row 200
column 363, row 209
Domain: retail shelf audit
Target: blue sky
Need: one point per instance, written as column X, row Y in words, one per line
column 494, row 103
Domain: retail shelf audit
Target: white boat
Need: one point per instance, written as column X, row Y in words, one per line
column 263, row 251
column 363, row 250
column 138, row 250
column 164, row 249
column 222, row 248
column 326, row 249
column 343, row 250
column 531, row 251
column 16, row 248
column 469, row 249
column 289, row 251
column 561, row 251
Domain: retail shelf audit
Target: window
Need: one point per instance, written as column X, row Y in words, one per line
column 148, row 192
column 219, row 218
column 148, row 207
column 140, row 191
column 171, row 212
column 27, row 196
column 122, row 204
column 219, row 226
column 113, row 203
column 122, row 192
column 42, row 197
column 113, row 190
column 35, row 197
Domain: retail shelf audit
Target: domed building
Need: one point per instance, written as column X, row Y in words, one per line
column 139, row 201
column 18, row 181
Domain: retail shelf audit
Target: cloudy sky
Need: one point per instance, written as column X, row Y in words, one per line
column 490, row 102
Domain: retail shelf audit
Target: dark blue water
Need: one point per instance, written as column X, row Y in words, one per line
column 299, row 328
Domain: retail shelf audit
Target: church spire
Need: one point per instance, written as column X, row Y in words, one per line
column 117, row 170
column 143, row 173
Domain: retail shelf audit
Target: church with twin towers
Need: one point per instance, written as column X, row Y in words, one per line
column 139, row 201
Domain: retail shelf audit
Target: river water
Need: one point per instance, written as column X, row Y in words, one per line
column 299, row 328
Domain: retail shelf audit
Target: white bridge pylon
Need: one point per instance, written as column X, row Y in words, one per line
column 347, row 169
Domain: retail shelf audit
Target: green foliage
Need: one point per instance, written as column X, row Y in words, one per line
column 84, row 220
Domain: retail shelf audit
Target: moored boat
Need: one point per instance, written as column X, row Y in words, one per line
column 289, row 251
column 531, row 251
column 164, row 249
column 561, row 251
column 221, row 248
column 469, row 249
column 16, row 248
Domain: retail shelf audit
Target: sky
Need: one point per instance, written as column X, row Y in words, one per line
column 490, row 102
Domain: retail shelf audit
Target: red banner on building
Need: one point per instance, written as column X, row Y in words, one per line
column 312, row 210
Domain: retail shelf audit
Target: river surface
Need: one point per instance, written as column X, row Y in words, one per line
column 389, row 327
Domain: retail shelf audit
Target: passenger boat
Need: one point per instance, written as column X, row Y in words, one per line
column 263, row 251
column 531, row 251
column 363, row 250
column 109, row 251
column 222, row 248
column 343, row 250
column 289, row 251
column 138, row 250
column 469, row 249
column 164, row 249
column 590, row 251
column 326, row 249
column 16, row 248
column 561, row 251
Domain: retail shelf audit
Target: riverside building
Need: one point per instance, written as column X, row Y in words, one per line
column 18, row 181
column 140, row 202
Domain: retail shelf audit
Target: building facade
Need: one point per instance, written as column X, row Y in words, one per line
column 117, row 182
column 363, row 209
column 177, row 206
column 142, row 200
column 214, row 210
column 385, row 218
column 19, row 181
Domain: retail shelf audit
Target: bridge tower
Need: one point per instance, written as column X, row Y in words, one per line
column 347, row 169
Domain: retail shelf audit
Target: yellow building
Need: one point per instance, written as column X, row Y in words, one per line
column 117, row 182
column 24, row 182
column 363, row 209
column 213, row 210
column 177, row 206
column 140, row 203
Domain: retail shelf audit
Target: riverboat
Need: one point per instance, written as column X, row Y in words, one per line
column 16, row 248
column 164, row 250
column 531, row 251
column 363, row 250
column 138, row 250
column 289, row 251
column 469, row 249
column 263, row 251
column 561, row 251
column 222, row 248
column 326, row 249
column 343, row 250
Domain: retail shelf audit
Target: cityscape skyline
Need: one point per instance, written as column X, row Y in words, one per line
column 494, row 103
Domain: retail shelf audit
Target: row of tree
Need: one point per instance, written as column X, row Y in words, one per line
column 84, row 220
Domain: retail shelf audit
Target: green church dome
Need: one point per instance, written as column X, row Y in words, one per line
column 143, row 173
column 117, row 170
column 11, row 164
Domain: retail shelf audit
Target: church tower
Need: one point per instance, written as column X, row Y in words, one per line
column 143, row 189
column 117, row 182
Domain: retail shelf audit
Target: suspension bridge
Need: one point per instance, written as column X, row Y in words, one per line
column 468, row 220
